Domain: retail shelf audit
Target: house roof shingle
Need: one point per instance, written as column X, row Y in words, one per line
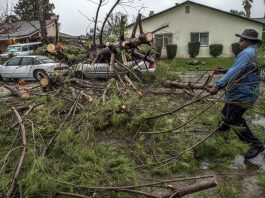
column 20, row 29
column 261, row 20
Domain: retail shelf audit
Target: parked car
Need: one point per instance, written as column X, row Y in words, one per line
column 102, row 70
column 30, row 67
column 21, row 49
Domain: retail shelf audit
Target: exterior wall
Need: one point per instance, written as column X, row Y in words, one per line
column 222, row 27
column 51, row 30
column 4, row 44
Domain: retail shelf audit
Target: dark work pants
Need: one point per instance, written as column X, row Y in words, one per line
column 232, row 116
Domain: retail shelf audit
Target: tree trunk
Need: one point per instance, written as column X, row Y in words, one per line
column 43, row 30
column 21, row 93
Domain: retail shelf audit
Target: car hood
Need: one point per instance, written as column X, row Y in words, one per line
column 4, row 55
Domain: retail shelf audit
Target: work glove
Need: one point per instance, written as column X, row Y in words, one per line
column 217, row 71
column 213, row 90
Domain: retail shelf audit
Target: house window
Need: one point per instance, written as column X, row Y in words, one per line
column 202, row 37
column 162, row 40
column 187, row 9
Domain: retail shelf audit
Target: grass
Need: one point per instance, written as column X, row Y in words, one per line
column 179, row 65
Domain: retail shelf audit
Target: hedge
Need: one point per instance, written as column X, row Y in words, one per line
column 158, row 51
column 235, row 48
column 216, row 49
column 194, row 48
column 171, row 51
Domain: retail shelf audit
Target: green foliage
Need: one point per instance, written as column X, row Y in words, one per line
column 261, row 180
column 171, row 51
column 219, row 148
column 194, row 48
column 228, row 190
column 28, row 10
column 235, row 48
column 216, row 49
column 75, row 54
column 238, row 12
column 259, row 61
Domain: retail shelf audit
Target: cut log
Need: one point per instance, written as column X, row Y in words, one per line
column 181, row 85
column 145, row 38
column 138, row 55
column 87, row 97
column 51, row 48
column 18, row 92
column 132, row 85
column 44, row 82
column 189, row 190
column 57, row 51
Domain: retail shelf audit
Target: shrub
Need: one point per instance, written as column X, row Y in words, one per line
column 171, row 51
column 194, row 48
column 216, row 50
column 235, row 48
column 158, row 51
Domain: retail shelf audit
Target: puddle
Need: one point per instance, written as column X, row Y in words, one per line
column 204, row 165
column 259, row 120
column 258, row 161
column 238, row 163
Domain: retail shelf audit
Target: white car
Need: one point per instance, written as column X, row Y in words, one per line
column 103, row 70
column 21, row 49
column 30, row 67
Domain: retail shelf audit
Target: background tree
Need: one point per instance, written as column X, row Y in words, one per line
column 237, row 12
column 5, row 11
column 247, row 6
column 41, row 17
column 28, row 10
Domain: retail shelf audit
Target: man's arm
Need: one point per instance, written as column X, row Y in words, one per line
column 240, row 64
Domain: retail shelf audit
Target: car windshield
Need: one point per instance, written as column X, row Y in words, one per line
column 11, row 49
column 44, row 59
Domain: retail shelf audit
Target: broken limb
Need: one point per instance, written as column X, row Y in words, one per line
column 175, row 157
column 132, row 85
column 23, row 153
column 190, row 189
column 17, row 91
column 134, row 187
column 181, row 85
column 179, row 108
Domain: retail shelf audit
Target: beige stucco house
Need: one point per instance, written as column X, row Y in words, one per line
column 23, row 32
column 190, row 21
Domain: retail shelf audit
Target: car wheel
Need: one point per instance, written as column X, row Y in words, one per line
column 1, row 79
column 262, row 75
column 39, row 73
column 79, row 74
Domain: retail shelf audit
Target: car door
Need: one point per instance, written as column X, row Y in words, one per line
column 10, row 67
column 24, row 50
column 24, row 70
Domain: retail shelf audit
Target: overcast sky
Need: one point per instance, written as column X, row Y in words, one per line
column 74, row 22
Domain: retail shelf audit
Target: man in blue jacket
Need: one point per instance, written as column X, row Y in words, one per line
column 241, row 86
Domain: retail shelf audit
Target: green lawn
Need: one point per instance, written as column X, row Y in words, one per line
column 178, row 65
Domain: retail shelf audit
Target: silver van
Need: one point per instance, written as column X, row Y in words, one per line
column 21, row 49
